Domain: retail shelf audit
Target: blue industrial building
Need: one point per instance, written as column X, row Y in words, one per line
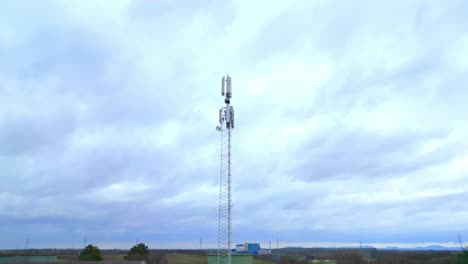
column 247, row 248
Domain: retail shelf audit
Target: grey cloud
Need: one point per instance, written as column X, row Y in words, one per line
column 30, row 134
column 361, row 153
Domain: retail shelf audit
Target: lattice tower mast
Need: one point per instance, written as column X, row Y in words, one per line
column 226, row 124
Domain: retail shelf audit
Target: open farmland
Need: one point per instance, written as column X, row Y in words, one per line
column 286, row 256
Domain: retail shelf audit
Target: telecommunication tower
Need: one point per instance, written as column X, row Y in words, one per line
column 226, row 124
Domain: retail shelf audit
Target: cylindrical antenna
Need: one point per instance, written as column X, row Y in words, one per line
column 223, row 86
column 228, row 87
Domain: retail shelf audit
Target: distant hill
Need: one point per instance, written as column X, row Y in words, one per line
column 324, row 247
column 431, row 247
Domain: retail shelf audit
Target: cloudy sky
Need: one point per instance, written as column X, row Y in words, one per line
column 351, row 121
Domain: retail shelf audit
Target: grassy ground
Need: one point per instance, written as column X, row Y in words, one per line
column 173, row 259
column 185, row 259
column 192, row 259
column 259, row 261
column 113, row 257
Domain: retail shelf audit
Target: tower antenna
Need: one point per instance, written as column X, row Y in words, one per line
column 226, row 124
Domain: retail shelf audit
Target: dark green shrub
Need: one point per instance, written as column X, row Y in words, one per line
column 91, row 253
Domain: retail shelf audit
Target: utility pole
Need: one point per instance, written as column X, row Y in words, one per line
column 226, row 124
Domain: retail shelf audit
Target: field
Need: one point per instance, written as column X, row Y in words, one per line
column 259, row 261
column 281, row 256
column 185, row 259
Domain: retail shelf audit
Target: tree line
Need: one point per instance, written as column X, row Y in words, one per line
column 138, row 252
